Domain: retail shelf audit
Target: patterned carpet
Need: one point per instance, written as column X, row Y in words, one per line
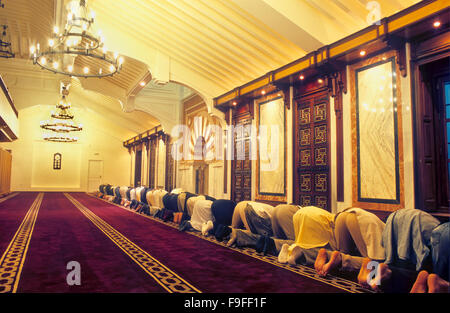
column 339, row 282
column 120, row 251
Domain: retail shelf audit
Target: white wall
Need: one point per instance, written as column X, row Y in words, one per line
column 32, row 161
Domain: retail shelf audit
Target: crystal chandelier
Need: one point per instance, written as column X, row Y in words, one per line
column 60, row 126
column 63, row 110
column 61, row 122
column 75, row 51
column 5, row 46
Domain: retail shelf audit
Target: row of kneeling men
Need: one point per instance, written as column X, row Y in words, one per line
column 410, row 251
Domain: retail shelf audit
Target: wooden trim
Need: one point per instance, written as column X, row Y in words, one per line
column 339, row 148
column 298, row 66
column 416, row 15
column 143, row 137
column 313, row 60
column 337, row 85
column 8, row 96
column 350, row 44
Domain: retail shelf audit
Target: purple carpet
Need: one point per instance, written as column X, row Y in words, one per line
column 208, row 266
column 63, row 234
column 12, row 212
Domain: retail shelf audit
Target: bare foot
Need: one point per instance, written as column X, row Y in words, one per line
column 420, row 285
column 284, row 254
column 383, row 274
column 364, row 273
column 335, row 261
column 206, row 227
column 321, row 259
column 233, row 237
column 437, row 284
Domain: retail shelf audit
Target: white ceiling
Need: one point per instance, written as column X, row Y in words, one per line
column 212, row 46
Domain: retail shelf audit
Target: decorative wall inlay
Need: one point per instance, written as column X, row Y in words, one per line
column 321, row 182
column 320, row 112
column 305, row 157
column 320, row 134
column 322, row 202
column 321, row 156
column 305, row 200
column 305, row 116
column 305, row 137
column 305, row 182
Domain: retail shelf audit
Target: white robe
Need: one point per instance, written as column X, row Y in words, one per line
column 202, row 214
column 133, row 194
column 371, row 228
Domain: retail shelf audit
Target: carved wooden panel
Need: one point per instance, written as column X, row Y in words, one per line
column 312, row 150
column 241, row 170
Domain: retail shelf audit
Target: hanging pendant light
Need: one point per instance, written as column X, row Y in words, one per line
column 76, row 51
column 61, row 122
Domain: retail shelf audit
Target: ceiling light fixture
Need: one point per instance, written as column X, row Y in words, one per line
column 437, row 24
column 60, row 127
column 59, row 137
column 62, row 121
column 76, row 42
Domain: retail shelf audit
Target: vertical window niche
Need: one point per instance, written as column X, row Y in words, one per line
column 57, row 157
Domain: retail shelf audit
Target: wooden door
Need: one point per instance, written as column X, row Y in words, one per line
column 241, row 172
column 5, row 172
column 312, row 150
column 432, row 138
column 95, row 174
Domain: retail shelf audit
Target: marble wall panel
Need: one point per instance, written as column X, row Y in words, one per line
column 377, row 135
column 271, row 165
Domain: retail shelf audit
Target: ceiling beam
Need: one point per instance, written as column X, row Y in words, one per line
column 269, row 14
